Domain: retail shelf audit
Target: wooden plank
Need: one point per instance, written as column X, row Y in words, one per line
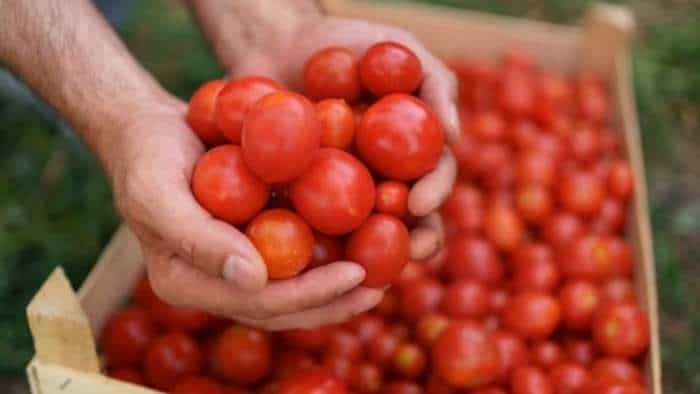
column 608, row 31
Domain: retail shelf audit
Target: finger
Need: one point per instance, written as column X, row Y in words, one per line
column 439, row 91
column 427, row 238
column 343, row 309
column 433, row 189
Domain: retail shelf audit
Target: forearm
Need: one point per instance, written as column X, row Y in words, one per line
column 241, row 28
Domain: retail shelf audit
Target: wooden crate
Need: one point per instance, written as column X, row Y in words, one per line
column 63, row 323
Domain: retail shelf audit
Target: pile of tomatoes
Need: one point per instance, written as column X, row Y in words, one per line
column 531, row 294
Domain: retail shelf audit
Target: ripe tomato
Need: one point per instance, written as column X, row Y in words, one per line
column 291, row 362
column 315, row 194
column 344, row 343
column 591, row 100
column 616, row 290
column 337, row 123
column 550, row 144
column 332, row 73
column 498, row 299
column 464, row 207
column 338, row 365
column 177, row 318
column 281, row 133
column 435, row 385
column 534, row 203
column 389, row 67
column 579, row 300
column 530, row 252
column 518, row 59
column 530, row 380
column 380, row 246
column 400, row 137
column 429, row 327
column 200, row 113
column 503, row 227
column 489, row 390
column 409, row 360
column 241, row 355
column 582, row 193
column 487, row 126
column 392, row 198
column 542, row 275
column 547, row 354
column 284, row 241
column 523, row 133
column 130, row 375
column 588, row 258
column 584, row 143
column 611, row 217
column 401, row 330
column 422, row 297
column 381, row 349
column 466, row 356
column 317, row 381
column 402, row 387
column 580, row 350
column 598, row 387
column 518, row 315
column 516, row 93
column 561, row 229
column 621, row 330
column 226, row 188
column 388, row 307
column 490, row 158
column 171, row 357
column 568, row 378
column 366, row 378
column 620, row 180
column 616, row 370
column 197, row 385
column 465, row 151
column 238, row 390
column 367, row 327
column 234, row 101
column 554, row 87
column 142, row 295
column 512, row 352
column 466, row 298
column 473, row 257
column 307, row 339
column 326, row 250
column 126, row 336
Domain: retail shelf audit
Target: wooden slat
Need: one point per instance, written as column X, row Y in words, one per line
column 608, row 31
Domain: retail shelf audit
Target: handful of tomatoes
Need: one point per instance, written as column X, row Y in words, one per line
column 532, row 293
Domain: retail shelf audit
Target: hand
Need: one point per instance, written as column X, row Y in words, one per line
column 282, row 58
column 197, row 261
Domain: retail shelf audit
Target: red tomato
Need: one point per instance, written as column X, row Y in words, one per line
column 409, row 360
column 530, row 380
column 487, row 126
column 389, row 67
column 344, row 343
column 585, row 143
column 534, row 203
column 616, row 370
column 129, row 375
column 582, row 193
column 621, row 330
column 617, row 289
column 292, row 362
column 498, row 300
column 529, row 253
column 264, row 390
column 579, row 299
column 516, row 93
column 337, row 123
column 281, row 133
column 226, row 188
column 366, row 378
column 512, row 352
column 466, row 356
column 490, row 158
column 568, row 378
column 588, row 258
column 332, row 73
column 197, row 385
column 400, row 137
column 307, row 339
column 523, row 133
column 466, row 298
column 326, row 250
column 466, row 152
column 592, row 101
column 435, row 385
column 142, row 294
column 598, row 387
column 316, row 382
column 177, row 318
column 547, row 354
column 429, row 327
column 581, row 351
column 422, row 297
column 503, row 227
column 200, row 113
column 518, row 59
column 126, row 335
column 554, row 87
column 402, row 387
column 503, row 177
column 315, row 194
column 241, row 355
column 401, row 330
column 338, row 365
column 435, row 263
column 489, row 390
column 392, row 198
column 171, row 357
column 388, row 307
column 620, row 180
column 367, row 327
column 475, row 258
column 611, row 217
column 284, row 241
column 542, row 275
column 561, row 229
column 234, row 101
column 381, row 349
column 523, row 306
column 464, row 207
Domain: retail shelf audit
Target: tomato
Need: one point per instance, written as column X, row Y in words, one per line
column 466, row 152
column 326, row 250
column 582, row 193
column 591, row 100
column 226, row 188
column 316, row 381
column 380, row 246
column 542, row 275
column 616, row 370
column 197, row 385
column 518, row 59
column 435, row 263
column 234, row 101
column 522, row 134
column 554, row 87
column 338, row 365
column 201, row 113
column 464, row 207
column 585, row 143
column 561, row 229
column 599, row 387
column 400, row 137
column 281, row 133
column 617, row 289
column 401, row 330
column 337, row 123
column 307, row 339
column 620, row 180
column 381, row 349
column 315, row 194
column 429, row 327
column 490, row 158
column 473, row 257
column 503, row 227
column 516, row 93
column 142, row 295
column 489, row 390
column 518, row 315
column 388, row 307
column 389, row 67
column 498, row 299
column 171, row 357
column 130, row 375
column 621, row 330
column 409, row 360
column 547, row 354
column 126, row 335
column 367, row 327
column 332, row 73
column 402, row 387
column 366, row 378
column 568, row 378
column 529, row 253
column 611, row 217
column 580, row 350
column 177, row 318
column 588, row 258
column 241, row 355
column 512, row 352
column 284, row 241
column 392, row 198
column 492, row 322
column 435, row 385
column 530, row 380
column 534, row 203
column 487, row 126
column 292, row 362
column 465, row 298
column 466, row 356
column 549, row 144
column 344, row 343
column 501, row 178
column 579, row 300
column 422, row 297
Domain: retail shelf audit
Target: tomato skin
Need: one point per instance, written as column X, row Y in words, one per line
column 530, row 380
column 197, row 385
column 281, row 128
column 617, row 290
column 547, row 354
column 487, row 126
column 621, row 330
column 317, row 382
column 516, row 93
column 465, row 298
column 580, row 350
column 142, row 295
column 579, row 300
column 616, row 370
column 400, row 137
column 307, row 339
column 498, row 300
column 429, row 327
column 512, row 352
column 621, row 180
column 337, row 123
column 524, row 305
column 435, row 385
column 568, row 378
column 171, row 357
column 464, row 207
column 466, row 356
column 591, row 100
column 402, row 387
column 326, row 250
column 561, row 229
column 284, row 241
column 226, row 188
column 126, row 336
column 503, row 227
column 367, row 327
column 473, row 257
column 366, row 378
column 130, row 375
column 241, row 355
column 344, row 343
column 380, row 246
column 599, row 387
column 585, row 144
column 315, row 194
column 332, row 73
column 292, row 362
column 338, row 365
column 529, row 253
column 588, row 258
column 610, row 219
column 389, row 67
column 582, row 193
column 234, row 101
column 177, row 318
column 465, row 151
column 381, row 349
column 542, row 275
column 422, row 297
column 388, row 307
column 392, row 198
column 534, row 203
column 201, row 113
column 410, row 360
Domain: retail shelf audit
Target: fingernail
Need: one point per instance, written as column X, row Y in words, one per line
column 243, row 273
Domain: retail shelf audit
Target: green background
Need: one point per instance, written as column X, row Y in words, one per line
column 56, row 207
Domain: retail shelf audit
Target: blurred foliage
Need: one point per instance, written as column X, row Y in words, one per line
column 55, row 207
